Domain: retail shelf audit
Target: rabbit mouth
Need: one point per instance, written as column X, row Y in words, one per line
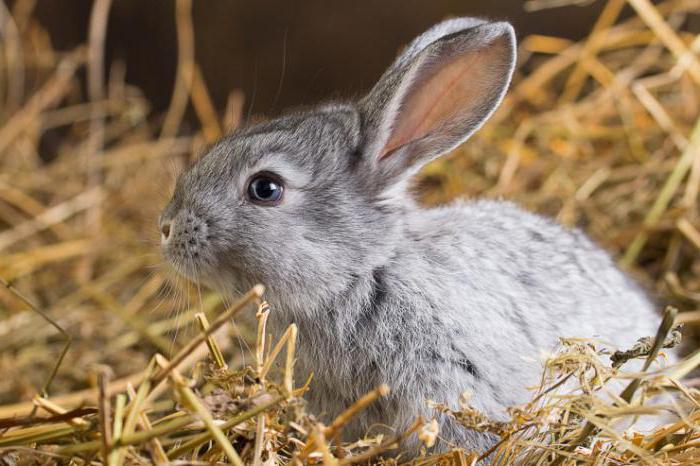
column 188, row 263
column 189, row 268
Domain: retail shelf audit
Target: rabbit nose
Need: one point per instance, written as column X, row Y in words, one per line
column 165, row 231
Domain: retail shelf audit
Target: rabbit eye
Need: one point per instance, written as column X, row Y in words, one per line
column 265, row 188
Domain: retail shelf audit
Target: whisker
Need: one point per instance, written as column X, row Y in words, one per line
column 180, row 300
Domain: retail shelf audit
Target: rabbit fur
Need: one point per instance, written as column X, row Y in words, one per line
column 433, row 302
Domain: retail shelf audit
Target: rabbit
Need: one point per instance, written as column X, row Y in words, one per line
column 317, row 206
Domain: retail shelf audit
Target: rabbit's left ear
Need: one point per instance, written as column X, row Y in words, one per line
column 438, row 92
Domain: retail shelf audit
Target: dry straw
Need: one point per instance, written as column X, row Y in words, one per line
column 106, row 361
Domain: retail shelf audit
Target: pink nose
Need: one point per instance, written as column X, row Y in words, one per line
column 165, row 230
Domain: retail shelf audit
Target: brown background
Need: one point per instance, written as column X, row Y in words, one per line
column 283, row 52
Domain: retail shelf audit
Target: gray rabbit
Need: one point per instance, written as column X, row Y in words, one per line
column 434, row 302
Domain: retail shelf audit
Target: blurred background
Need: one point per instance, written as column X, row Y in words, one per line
column 284, row 53
column 103, row 102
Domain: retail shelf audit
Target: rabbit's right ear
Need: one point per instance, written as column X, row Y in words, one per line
column 438, row 92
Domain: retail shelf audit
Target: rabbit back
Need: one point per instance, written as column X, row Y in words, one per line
column 474, row 296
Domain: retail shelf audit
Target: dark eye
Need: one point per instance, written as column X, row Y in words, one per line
column 265, row 188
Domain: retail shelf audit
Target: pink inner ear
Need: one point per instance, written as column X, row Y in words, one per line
column 454, row 90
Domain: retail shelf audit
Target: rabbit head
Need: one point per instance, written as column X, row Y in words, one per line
column 309, row 202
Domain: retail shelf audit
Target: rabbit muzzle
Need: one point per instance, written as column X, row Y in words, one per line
column 186, row 243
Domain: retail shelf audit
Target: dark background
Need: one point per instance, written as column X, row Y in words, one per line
column 283, row 53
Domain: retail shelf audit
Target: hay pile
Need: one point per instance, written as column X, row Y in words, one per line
column 603, row 134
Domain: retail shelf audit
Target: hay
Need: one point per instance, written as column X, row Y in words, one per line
column 121, row 365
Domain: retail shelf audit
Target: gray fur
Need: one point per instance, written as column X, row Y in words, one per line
column 433, row 302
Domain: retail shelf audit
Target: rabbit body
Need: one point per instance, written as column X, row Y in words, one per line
column 471, row 297
column 432, row 302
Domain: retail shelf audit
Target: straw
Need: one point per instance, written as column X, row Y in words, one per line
column 109, row 357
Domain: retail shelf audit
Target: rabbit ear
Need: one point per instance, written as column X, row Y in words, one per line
column 438, row 92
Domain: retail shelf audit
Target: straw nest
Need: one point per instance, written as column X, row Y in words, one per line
column 104, row 360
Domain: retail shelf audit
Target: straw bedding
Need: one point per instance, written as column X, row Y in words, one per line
column 107, row 357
